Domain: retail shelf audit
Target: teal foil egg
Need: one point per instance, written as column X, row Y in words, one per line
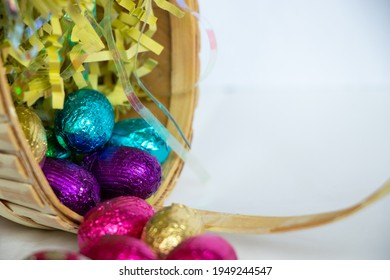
column 85, row 123
column 137, row 133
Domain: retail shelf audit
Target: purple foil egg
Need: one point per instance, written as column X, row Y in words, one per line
column 125, row 171
column 118, row 247
column 203, row 247
column 74, row 186
column 125, row 215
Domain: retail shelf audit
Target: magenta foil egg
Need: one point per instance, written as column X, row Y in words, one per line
column 125, row 215
column 118, row 247
column 203, row 247
column 73, row 185
column 56, row 255
column 125, row 171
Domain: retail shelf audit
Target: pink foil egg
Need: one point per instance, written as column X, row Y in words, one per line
column 118, row 247
column 56, row 255
column 203, row 247
column 124, row 215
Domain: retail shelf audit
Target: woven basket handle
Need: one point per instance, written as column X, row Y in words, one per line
column 245, row 224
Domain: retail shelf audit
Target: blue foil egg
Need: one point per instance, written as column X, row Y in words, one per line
column 86, row 122
column 137, row 133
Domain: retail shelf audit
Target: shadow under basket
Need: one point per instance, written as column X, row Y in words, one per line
column 25, row 195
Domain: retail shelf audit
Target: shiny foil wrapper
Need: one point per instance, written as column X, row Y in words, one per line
column 54, row 149
column 34, row 132
column 123, row 171
column 86, row 122
column 170, row 226
column 203, row 247
column 137, row 133
column 74, row 186
column 118, row 247
column 125, row 215
column 56, row 255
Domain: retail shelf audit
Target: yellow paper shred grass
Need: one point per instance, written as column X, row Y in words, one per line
column 67, row 51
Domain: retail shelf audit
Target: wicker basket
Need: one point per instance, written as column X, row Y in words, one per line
column 25, row 195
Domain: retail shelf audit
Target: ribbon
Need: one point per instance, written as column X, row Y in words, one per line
column 210, row 36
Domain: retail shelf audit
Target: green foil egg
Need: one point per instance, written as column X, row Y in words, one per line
column 54, row 149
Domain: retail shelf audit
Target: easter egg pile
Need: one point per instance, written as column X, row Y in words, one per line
column 128, row 228
column 87, row 158
column 105, row 171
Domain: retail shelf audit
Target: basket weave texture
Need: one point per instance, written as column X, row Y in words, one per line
column 26, row 197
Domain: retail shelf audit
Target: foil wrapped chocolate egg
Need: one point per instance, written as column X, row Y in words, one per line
column 123, row 171
column 34, row 132
column 118, row 247
column 74, row 186
column 170, row 226
column 86, row 122
column 56, row 255
column 137, row 133
column 54, row 149
column 203, row 247
column 125, row 215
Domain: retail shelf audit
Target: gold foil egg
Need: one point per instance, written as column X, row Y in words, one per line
column 170, row 226
column 34, row 131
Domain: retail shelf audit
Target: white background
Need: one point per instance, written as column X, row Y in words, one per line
column 294, row 119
